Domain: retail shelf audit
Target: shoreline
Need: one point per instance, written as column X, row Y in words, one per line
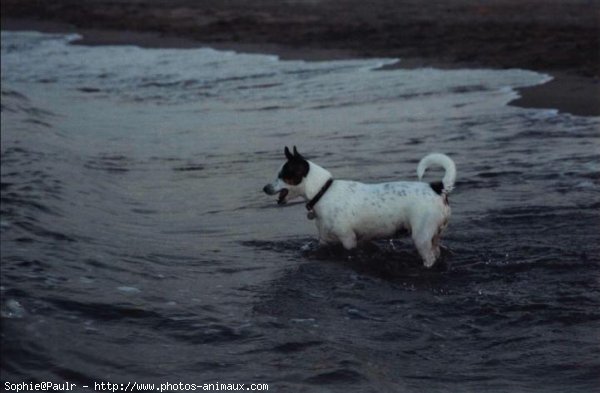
column 567, row 92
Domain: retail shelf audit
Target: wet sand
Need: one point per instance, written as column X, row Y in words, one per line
column 558, row 37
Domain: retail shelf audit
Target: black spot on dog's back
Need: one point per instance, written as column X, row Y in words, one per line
column 437, row 186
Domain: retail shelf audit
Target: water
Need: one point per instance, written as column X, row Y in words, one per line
column 137, row 244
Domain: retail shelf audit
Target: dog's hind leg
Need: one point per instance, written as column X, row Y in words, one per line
column 427, row 253
column 435, row 244
column 426, row 242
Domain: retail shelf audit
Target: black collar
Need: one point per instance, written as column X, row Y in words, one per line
column 311, row 204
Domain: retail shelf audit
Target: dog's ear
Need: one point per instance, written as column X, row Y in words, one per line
column 297, row 155
column 288, row 155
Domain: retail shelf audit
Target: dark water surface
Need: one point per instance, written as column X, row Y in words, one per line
column 137, row 245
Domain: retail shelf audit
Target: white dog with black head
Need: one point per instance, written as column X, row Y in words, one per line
column 348, row 212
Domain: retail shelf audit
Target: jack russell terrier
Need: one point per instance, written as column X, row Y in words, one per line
column 350, row 212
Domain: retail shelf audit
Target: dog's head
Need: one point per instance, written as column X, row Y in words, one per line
column 290, row 178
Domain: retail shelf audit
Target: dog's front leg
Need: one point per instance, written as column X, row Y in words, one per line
column 348, row 240
column 327, row 235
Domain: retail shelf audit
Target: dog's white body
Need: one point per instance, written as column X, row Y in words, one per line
column 350, row 211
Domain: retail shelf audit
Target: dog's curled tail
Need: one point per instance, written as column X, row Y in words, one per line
column 438, row 159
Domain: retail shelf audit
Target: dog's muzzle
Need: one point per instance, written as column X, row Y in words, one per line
column 270, row 190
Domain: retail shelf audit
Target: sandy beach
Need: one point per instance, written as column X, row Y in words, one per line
column 559, row 37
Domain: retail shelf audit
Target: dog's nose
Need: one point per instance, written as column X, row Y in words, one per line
column 268, row 189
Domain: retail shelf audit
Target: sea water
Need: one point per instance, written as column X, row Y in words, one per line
column 137, row 245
